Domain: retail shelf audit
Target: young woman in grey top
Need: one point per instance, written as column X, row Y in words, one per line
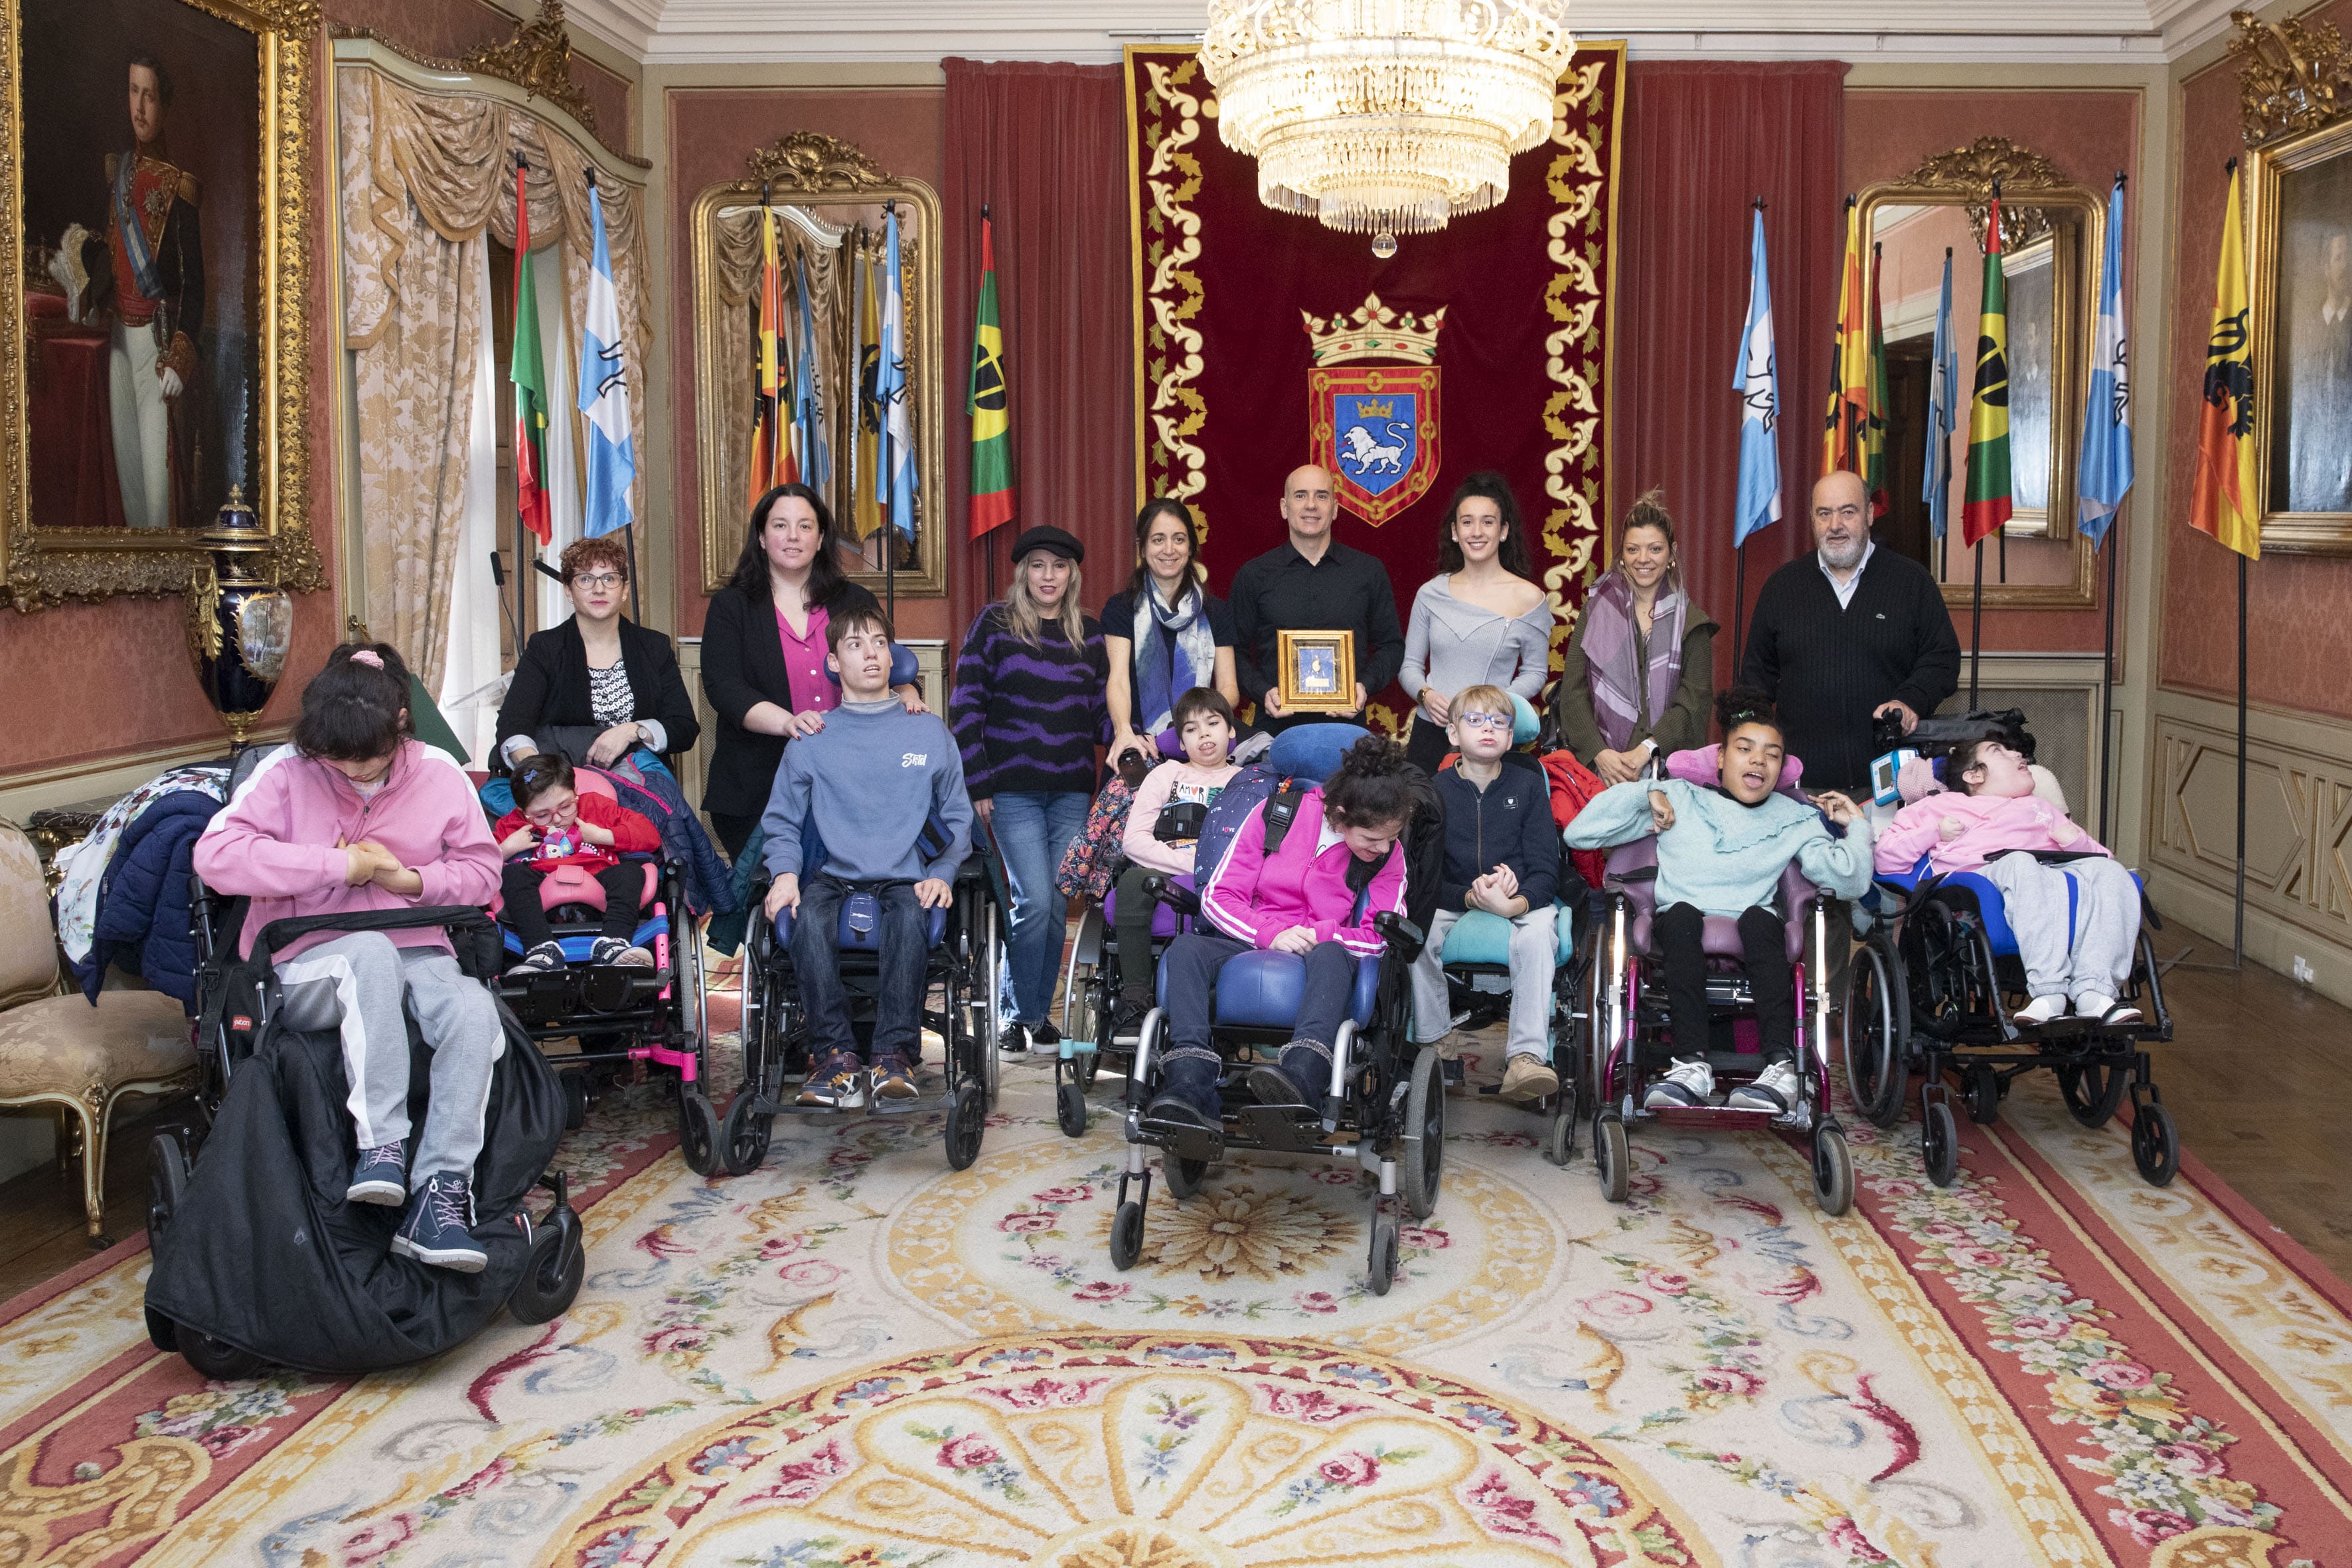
column 1481, row 621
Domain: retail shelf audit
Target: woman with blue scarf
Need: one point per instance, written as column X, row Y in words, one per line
column 1165, row 634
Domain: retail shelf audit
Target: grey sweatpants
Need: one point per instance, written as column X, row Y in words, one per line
column 1534, row 953
column 366, row 988
column 2106, row 922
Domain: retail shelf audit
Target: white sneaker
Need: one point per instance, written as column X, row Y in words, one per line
column 2105, row 1009
column 1773, row 1089
column 2041, row 1010
column 1690, row 1081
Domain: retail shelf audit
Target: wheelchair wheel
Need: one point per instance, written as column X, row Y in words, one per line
column 743, row 1136
column 167, row 1178
column 1421, row 1162
column 967, row 1119
column 1384, row 1255
column 1939, row 1142
column 2156, row 1145
column 1876, row 1036
column 1612, row 1160
column 1832, row 1171
column 216, row 1359
column 1560, row 1137
column 1982, row 1087
column 575, row 1100
column 1127, row 1235
column 2092, row 1090
column 550, row 1278
column 1070, row 1108
column 1185, row 1177
column 698, row 1130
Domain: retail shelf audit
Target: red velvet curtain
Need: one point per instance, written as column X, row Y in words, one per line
column 1045, row 148
column 1703, row 141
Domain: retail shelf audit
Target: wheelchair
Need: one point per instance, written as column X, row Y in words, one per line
column 961, row 974
column 623, row 1017
column 1622, row 1019
column 1091, row 994
column 1477, row 963
column 1385, row 1108
column 1932, row 992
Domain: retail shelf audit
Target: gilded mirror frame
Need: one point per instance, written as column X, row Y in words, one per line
column 2295, row 91
column 44, row 566
column 813, row 172
column 2032, row 191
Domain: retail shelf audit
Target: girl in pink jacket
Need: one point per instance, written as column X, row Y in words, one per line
column 1990, row 822
column 357, row 816
column 1338, row 866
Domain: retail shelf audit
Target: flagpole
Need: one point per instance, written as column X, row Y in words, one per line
column 889, row 529
column 2111, row 542
column 2238, row 931
column 1976, row 626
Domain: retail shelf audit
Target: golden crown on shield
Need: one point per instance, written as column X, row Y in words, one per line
column 1375, row 332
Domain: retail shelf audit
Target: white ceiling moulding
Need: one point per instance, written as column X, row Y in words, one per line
column 2096, row 32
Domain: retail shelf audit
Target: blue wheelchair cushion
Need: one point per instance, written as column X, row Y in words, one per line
column 1311, row 753
column 1482, row 937
column 1989, row 904
column 1260, row 989
column 860, row 926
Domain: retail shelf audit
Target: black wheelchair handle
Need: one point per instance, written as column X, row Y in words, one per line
column 277, row 933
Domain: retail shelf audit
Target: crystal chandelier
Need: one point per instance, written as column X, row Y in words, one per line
column 1384, row 117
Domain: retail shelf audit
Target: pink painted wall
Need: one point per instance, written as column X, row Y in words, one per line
column 711, row 133
column 2299, row 608
column 2089, row 133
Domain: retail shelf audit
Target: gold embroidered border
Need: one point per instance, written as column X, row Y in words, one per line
column 1168, row 407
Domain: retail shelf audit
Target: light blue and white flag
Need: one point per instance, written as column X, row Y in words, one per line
column 895, row 482
column 605, row 393
column 2107, row 417
column 1757, row 382
column 1943, row 413
column 808, row 396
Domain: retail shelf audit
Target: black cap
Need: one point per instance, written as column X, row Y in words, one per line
column 1046, row 536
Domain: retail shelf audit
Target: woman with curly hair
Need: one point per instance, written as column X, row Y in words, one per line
column 598, row 685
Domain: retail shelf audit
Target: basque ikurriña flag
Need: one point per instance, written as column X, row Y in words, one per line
column 2107, row 417
column 897, row 464
column 1757, row 382
column 1987, row 504
column 604, row 392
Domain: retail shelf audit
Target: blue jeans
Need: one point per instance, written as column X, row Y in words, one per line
column 899, row 993
column 1031, row 830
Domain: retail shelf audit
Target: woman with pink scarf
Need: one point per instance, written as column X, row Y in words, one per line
column 1639, row 678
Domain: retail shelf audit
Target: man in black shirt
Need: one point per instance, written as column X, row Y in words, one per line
column 1844, row 634
column 1312, row 583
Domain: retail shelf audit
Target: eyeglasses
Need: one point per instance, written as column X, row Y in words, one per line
column 594, row 579
column 1486, row 721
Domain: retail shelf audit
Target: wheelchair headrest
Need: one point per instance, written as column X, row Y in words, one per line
column 588, row 781
column 247, row 762
column 1525, row 726
column 1704, row 766
column 903, row 669
column 1311, row 753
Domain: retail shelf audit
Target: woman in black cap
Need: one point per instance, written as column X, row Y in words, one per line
column 1028, row 713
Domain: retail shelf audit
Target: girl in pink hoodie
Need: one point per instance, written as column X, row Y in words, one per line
column 1314, row 897
column 1990, row 822
column 357, row 816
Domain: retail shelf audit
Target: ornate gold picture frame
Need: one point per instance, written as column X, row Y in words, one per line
column 192, row 117
column 829, row 199
column 1317, row 672
column 2295, row 89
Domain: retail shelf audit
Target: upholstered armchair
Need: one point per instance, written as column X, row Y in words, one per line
column 58, row 1050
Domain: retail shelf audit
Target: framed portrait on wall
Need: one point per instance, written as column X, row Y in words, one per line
column 2300, row 222
column 156, row 198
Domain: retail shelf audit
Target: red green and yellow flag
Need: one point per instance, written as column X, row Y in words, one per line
column 992, row 496
column 1845, row 431
column 767, row 469
column 527, row 368
column 1986, row 505
column 1874, row 469
column 2226, row 501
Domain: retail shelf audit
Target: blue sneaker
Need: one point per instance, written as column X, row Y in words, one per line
column 439, row 1227
column 380, row 1175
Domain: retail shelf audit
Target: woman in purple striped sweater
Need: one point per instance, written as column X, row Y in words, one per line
column 1028, row 713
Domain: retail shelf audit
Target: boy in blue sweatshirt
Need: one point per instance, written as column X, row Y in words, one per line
column 1502, row 856
column 866, row 784
column 1721, row 850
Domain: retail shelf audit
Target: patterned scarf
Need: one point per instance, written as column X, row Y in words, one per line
column 1611, row 650
column 1174, row 652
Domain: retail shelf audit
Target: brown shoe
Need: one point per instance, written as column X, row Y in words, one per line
column 1530, row 1077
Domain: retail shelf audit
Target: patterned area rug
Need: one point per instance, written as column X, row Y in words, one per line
column 856, row 1357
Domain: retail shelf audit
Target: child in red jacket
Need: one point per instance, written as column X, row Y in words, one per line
column 553, row 824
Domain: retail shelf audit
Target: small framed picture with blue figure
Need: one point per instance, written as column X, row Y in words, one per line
column 1318, row 671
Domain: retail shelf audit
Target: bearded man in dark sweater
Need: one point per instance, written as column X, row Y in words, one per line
column 1844, row 634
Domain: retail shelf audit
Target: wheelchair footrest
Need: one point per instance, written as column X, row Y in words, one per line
column 1071, row 1047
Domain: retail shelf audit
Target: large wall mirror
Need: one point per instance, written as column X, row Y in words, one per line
column 2052, row 233
column 830, row 203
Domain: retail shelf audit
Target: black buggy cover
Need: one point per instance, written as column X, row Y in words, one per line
column 264, row 1252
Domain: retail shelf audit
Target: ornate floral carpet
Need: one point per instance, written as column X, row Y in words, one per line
column 854, row 1356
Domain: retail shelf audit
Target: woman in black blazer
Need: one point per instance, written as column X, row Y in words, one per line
column 764, row 652
column 614, row 683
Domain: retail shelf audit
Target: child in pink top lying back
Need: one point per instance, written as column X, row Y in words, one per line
column 1990, row 822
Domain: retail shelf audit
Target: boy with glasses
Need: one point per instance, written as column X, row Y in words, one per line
column 1502, row 856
